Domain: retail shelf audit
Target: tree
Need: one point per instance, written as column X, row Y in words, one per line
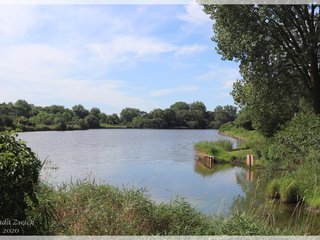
column 223, row 115
column 198, row 106
column 128, row 114
column 278, row 50
column 60, row 122
column 22, row 108
column 113, row 119
column 180, row 106
column 95, row 112
column 80, row 111
column 55, row 109
column 92, row 121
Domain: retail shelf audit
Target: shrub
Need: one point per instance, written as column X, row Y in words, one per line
column 295, row 141
column 19, row 175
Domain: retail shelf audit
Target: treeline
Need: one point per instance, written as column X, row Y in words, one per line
column 23, row 116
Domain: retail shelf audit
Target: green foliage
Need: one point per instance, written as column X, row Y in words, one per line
column 22, row 108
column 128, row 114
column 244, row 119
column 275, row 78
column 95, row 112
column 19, row 174
column 295, row 141
column 179, row 115
column 80, row 111
column 92, row 121
column 223, row 115
column 180, row 106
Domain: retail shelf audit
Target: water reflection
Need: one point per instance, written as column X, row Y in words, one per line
column 204, row 171
column 255, row 201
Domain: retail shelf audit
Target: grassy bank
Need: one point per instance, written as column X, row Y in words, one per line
column 222, row 151
column 250, row 142
column 88, row 209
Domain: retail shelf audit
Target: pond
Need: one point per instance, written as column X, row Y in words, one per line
column 161, row 161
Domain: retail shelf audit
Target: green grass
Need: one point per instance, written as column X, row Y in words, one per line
column 89, row 209
column 252, row 141
column 273, row 188
column 222, row 150
column 289, row 191
column 105, row 125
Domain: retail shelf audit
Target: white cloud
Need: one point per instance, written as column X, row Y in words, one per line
column 190, row 49
column 195, row 15
column 38, row 71
column 34, row 62
column 128, row 48
column 15, row 20
column 169, row 91
column 63, row 52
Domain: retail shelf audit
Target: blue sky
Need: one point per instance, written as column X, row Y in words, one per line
column 111, row 56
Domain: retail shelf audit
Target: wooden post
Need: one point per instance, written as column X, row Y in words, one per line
column 251, row 160
column 248, row 160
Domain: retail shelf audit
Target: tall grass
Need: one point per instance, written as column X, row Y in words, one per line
column 252, row 141
column 222, row 150
column 89, row 209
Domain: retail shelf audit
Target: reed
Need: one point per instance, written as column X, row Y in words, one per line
column 90, row 209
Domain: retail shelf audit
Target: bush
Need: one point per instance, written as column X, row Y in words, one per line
column 19, row 176
column 295, row 141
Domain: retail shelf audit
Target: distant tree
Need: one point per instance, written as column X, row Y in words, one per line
column 103, row 118
column 92, row 121
column 55, row 109
column 156, row 113
column 128, row 114
column 223, row 115
column 95, row 112
column 180, row 106
column 22, row 108
column 82, row 123
column 80, row 111
column 198, row 106
column 169, row 116
column 43, row 118
column 60, row 122
column 113, row 119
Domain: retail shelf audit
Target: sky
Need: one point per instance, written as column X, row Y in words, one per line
column 111, row 56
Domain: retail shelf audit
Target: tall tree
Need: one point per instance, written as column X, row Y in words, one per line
column 278, row 50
